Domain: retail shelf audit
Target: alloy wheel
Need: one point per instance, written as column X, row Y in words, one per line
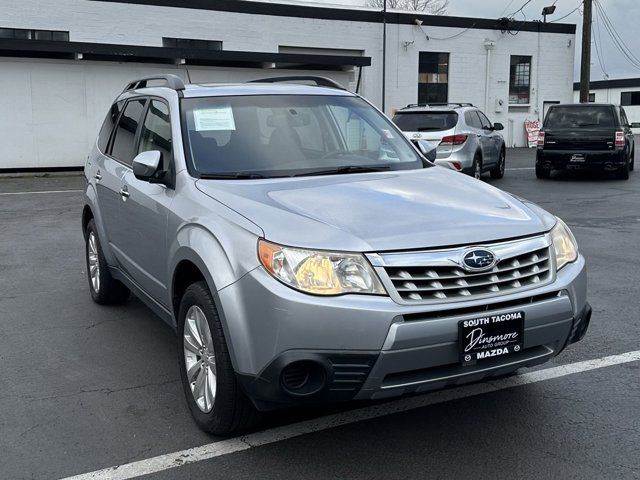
column 199, row 358
column 94, row 262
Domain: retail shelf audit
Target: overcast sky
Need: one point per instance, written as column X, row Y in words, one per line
column 623, row 14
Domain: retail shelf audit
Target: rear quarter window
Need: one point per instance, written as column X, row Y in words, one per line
column 425, row 121
column 574, row 116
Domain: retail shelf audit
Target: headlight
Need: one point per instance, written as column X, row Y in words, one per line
column 319, row 272
column 564, row 243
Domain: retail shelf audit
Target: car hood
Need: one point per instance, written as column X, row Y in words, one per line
column 373, row 212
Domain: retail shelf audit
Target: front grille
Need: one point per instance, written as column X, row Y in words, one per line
column 443, row 283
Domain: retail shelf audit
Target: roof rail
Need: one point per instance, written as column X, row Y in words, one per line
column 413, row 105
column 320, row 81
column 174, row 82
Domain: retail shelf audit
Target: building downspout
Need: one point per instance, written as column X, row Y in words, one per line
column 488, row 45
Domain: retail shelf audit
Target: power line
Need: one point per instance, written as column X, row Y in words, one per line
column 520, row 10
column 597, row 41
column 617, row 40
column 570, row 13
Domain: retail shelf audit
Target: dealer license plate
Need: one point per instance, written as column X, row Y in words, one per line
column 490, row 336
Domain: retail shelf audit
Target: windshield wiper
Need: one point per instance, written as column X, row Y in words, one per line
column 343, row 170
column 231, row 176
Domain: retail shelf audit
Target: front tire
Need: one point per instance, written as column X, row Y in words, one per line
column 498, row 171
column 105, row 290
column 216, row 401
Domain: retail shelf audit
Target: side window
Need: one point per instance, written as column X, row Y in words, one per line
column 471, row 118
column 484, row 120
column 125, row 134
column 107, row 125
column 156, row 132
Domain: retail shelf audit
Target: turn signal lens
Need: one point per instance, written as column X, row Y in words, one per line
column 619, row 139
column 564, row 244
column 319, row 272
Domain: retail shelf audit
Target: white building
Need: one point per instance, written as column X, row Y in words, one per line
column 623, row 91
column 63, row 61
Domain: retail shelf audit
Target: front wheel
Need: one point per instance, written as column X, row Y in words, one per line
column 215, row 399
column 497, row 172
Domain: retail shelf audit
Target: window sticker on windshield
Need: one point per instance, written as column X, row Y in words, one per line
column 387, row 134
column 216, row 118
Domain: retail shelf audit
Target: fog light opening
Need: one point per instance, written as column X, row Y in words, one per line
column 303, row 378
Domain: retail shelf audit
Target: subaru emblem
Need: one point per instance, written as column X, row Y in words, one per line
column 478, row 259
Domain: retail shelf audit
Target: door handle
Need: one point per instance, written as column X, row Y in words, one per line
column 124, row 193
column 98, row 176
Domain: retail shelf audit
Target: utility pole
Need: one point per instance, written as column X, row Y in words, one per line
column 585, row 63
column 384, row 52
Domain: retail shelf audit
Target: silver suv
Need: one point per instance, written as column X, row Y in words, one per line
column 305, row 251
column 467, row 141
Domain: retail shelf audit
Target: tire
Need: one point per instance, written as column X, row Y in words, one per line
column 228, row 410
column 105, row 290
column 632, row 160
column 623, row 172
column 476, row 168
column 542, row 173
column 498, row 171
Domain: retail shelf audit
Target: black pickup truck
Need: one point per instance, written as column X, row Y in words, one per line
column 585, row 136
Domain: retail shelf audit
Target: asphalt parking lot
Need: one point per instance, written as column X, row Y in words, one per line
column 85, row 388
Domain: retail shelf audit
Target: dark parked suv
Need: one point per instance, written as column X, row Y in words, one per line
column 585, row 136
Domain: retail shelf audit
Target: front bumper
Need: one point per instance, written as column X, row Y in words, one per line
column 593, row 160
column 369, row 347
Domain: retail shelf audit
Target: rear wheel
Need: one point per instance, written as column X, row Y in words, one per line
column 623, row 171
column 542, row 173
column 632, row 160
column 498, row 170
column 104, row 289
column 477, row 166
column 213, row 394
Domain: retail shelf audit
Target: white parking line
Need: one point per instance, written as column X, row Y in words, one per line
column 521, row 168
column 232, row 445
column 40, row 191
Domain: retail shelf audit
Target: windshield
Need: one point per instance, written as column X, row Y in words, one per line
column 256, row 136
column 580, row 116
column 425, row 122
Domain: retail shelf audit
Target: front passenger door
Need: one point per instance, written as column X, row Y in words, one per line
column 146, row 210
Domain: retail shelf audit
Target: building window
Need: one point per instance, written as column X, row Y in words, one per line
column 629, row 98
column 592, row 98
column 519, row 80
column 433, row 77
column 29, row 34
column 191, row 43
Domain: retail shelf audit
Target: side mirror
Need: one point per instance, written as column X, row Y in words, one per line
column 428, row 149
column 146, row 164
column 635, row 125
column 498, row 126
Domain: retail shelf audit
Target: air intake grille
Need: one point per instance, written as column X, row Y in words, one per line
column 442, row 283
column 350, row 372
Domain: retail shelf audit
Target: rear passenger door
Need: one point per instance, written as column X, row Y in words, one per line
column 145, row 211
column 491, row 141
